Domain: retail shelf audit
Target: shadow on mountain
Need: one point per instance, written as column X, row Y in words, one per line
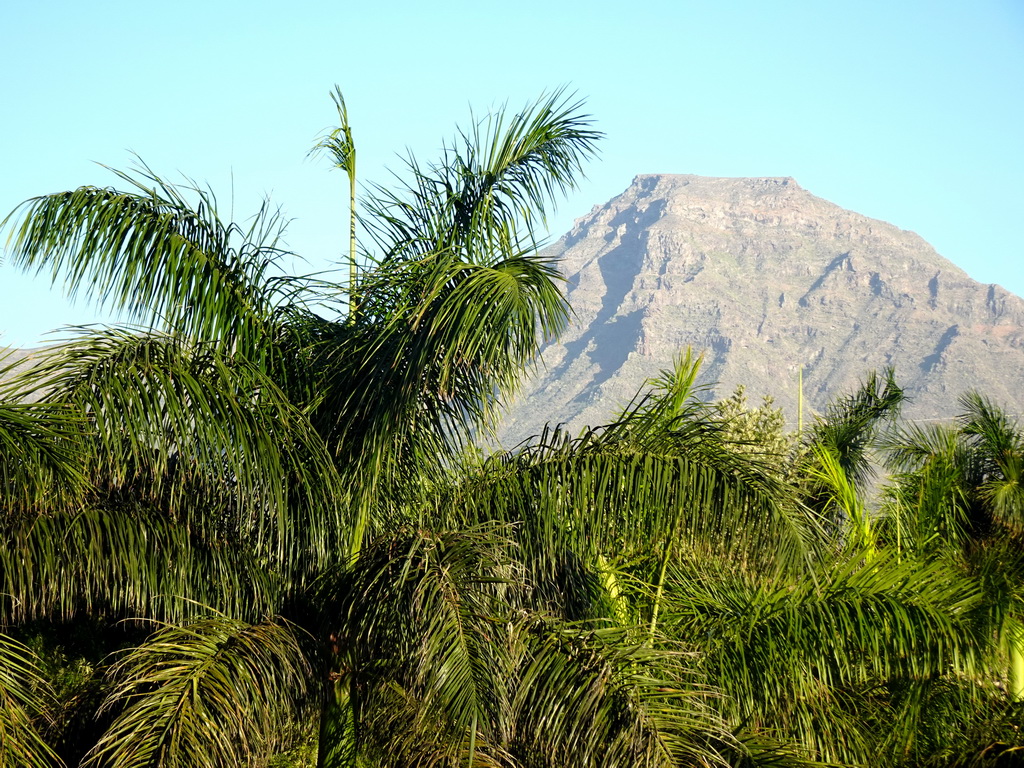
column 610, row 337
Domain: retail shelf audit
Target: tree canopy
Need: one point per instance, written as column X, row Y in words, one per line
column 253, row 528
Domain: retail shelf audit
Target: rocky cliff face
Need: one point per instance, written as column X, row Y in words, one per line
column 764, row 278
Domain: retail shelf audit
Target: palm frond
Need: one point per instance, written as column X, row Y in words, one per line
column 42, row 456
column 927, row 501
column 660, row 481
column 950, row 721
column 491, row 188
column 414, row 608
column 587, row 697
column 1000, row 447
column 183, row 425
column 158, row 253
column 338, row 143
column 849, row 425
column 838, row 499
column 790, row 657
column 128, row 561
column 404, row 387
column 24, row 703
column 966, row 482
column 216, row 693
column 668, row 406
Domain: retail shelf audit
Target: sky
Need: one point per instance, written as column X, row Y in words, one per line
column 911, row 111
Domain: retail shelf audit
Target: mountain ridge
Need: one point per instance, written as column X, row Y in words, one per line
column 764, row 278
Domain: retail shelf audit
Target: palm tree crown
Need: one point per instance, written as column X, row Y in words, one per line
column 250, row 530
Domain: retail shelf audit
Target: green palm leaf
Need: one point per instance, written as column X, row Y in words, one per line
column 1001, row 450
column 216, row 693
column 24, row 700
column 588, row 697
column 491, row 188
column 849, row 426
column 127, row 561
column 415, row 606
column 448, row 670
column 795, row 658
column 660, row 482
column 41, row 452
column 159, row 253
column 186, row 427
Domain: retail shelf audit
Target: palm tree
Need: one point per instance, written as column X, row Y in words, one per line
column 956, row 499
column 239, row 451
column 280, row 507
column 664, row 527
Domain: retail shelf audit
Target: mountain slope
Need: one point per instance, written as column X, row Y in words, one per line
column 764, row 278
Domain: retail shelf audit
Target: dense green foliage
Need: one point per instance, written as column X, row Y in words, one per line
column 252, row 530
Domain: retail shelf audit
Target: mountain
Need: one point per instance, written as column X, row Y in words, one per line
column 764, row 279
column 12, row 356
column 14, row 360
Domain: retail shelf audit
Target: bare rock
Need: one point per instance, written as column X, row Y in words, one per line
column 764, row 278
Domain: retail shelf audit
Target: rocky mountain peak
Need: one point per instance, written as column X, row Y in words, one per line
column 764, row 278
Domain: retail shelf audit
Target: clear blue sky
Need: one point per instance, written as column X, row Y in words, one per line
column 911, row 111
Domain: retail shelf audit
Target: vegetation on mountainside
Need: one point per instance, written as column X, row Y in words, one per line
column 251, row 532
